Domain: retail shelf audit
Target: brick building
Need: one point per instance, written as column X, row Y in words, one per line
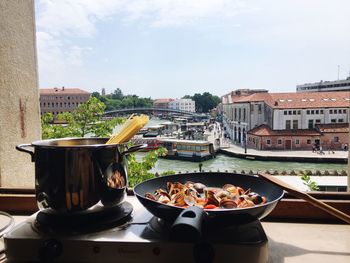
column 162, row 103
column 58, row 100
column 329, row 136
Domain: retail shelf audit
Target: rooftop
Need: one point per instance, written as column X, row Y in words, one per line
column 62, row 90
column 292, row 100
column 333, row 127
column 264, row 130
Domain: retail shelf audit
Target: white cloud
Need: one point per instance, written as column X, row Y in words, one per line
column 296, row 32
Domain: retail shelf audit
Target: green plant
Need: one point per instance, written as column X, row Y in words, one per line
column 86, row 120
column 139, row 171
column 309, row 183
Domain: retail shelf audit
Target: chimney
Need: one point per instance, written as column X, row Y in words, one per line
column 62, row 88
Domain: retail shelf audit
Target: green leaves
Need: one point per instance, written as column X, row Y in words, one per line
column 86, row 120
column 309, row 183
column 139, row 171
column 204, row 102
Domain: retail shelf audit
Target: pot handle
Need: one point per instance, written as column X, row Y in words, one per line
column 21, row 147
column 134, row 148
column 188, row 225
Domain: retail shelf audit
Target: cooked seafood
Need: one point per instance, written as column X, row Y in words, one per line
column 198, row 194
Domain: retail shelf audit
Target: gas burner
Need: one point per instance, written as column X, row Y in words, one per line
column 250, row 231
column 94, row 219
column 143, row 239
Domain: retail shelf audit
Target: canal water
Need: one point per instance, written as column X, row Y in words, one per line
column 223, row 162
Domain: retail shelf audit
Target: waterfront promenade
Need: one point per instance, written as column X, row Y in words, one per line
column 228, row 148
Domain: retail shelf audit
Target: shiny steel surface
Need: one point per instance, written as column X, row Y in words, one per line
column 71, row 174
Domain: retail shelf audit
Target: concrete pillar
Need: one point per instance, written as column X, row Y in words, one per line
column 19, row 94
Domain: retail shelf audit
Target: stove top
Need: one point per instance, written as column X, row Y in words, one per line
column 139, row 237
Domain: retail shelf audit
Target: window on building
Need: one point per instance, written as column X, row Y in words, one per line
column 340, row 120
column 285, row 112
column 336, row 139
column 253, row 140
column 294, row 112
column 308, row 141
column 268, row 142
column 330, row 111
column 289, row 112
column 297, row 142
column 344, row 110
column 317, row 112
column 333, row 120
column 239, row 114
column 299, row 112
column 295, row 124
column 279, row 141
column 311, row 124
column 251, row 108
column 312, row 112
column 308, row 112
column 244, row 114
column 321, row 111
column 288, row 125
column 235, row 114
column 259, row 108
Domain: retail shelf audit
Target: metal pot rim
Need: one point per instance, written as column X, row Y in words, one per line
column 58, row 143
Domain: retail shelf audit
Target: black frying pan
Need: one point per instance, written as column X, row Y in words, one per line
column 193, row 216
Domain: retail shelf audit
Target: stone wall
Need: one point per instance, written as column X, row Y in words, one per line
column 19, row 97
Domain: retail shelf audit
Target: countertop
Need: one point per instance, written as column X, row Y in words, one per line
column 292, row 242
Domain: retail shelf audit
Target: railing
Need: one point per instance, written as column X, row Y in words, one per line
column 148, row 109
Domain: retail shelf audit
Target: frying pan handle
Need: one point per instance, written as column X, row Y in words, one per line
column 188, row 225
column 134, row 148
column 21, row 147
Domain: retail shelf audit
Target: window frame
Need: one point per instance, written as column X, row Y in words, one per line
column 289, row 209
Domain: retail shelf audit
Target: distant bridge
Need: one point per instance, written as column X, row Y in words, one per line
column 150, row 110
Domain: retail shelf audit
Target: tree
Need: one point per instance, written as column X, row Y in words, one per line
column 117, row 94
column 96, row 95
column 205, row 102
column 85, row 120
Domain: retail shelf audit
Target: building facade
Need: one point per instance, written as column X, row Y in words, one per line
column 337, row 85
column 267, row 119
column 183, row 104
column 59, row 100
column 162, row 103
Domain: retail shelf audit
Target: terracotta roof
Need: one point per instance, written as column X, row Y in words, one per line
column 333, row 127
column 265, row 130
column 163, row 100
column 300, row 100
column 62, row 90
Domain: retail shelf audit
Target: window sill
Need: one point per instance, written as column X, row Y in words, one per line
column 289, row 209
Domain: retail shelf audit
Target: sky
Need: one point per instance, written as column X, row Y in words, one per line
column 172, row 48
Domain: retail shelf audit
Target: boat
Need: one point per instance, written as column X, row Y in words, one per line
column 188, row 150
column 152, row 143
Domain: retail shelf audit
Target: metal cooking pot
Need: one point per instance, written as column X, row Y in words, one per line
column 73, row 174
